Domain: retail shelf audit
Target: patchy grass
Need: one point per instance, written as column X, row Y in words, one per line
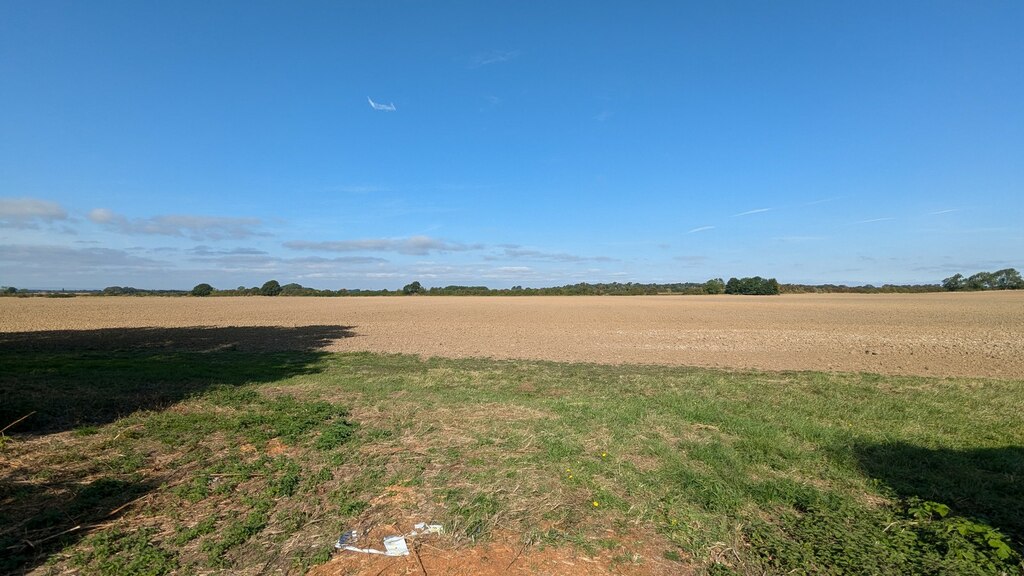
column 736, row 473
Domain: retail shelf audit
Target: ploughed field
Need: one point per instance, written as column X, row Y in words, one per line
column 942, row 334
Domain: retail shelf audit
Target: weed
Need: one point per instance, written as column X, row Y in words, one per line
column 186, row 535
column 115, row 553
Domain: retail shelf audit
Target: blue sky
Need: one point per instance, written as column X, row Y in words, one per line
column 163, row 144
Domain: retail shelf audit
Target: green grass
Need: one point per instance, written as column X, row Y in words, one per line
column 735, row 472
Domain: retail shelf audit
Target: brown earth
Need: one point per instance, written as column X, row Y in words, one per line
column 943, row 334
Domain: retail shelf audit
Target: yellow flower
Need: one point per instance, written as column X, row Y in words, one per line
column 596, row 504
column 604, row 454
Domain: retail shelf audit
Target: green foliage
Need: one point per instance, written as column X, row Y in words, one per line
column 1006, row 279
column 413, row 288
column 186, row 535
column 270, row 288
column 238, row 532
column 202, row 290
column 752, row 286
column 714, row 286
column 116, row 553
column 837, row 538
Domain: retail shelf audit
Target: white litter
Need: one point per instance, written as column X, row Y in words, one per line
column 393, row 545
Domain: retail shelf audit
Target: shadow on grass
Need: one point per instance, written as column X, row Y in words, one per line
column 74, row 378
column 71, row 378
column 986, row 485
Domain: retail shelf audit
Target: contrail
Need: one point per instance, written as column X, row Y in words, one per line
column 757, row 211
column 384, row 107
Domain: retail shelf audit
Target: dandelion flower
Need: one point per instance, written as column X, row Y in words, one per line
column 596, row 504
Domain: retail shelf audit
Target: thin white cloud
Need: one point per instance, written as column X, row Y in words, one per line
column 29, row 212
column 494, row 57
column 937, row 212
column 182, row 225
column 754, row 211
column 700, row 229
column 63, row 260
column 413, row 245
column 870, row 220
column 210, row 251
column 382, row 107
column 514, row 252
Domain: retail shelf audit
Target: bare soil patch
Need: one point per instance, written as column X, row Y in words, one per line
column 942, row 334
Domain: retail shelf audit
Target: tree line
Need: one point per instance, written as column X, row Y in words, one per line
column 1006, row 279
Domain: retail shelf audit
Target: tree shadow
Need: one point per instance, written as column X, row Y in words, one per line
column 75, row 379
column 985, row 484
column 71, row 378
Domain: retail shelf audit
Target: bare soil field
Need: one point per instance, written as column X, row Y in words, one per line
column 942, row 334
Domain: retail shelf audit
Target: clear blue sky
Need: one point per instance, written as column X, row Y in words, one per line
column 163, row 144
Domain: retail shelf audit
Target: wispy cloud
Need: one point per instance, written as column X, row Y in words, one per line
column 514, row 252
column 870, row 220
column 413, row 245
column 822, row 201
column 494, row 57
column 383, row 107
column 947, row 211
column 754, row 211
column 210, row 251
column 67, row 260
column 183, row 225
column 29, row 212
column 604, row 115
column 700, row 229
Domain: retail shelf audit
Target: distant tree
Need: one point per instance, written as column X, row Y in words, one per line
column 752, row 286
column 202, row 290
column 1008, row 279
column 980, row 281
column 10, row 290
column 1005, row 279
column 413, row 288
column 714, row 286
column 270, row 288
column 954, row 282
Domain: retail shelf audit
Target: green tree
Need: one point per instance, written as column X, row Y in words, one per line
column 980, row 281
column 752, row 285
column 270, row 288
column 1008, row 279
column 954, row 283
column 714, row 286
column 414, row 288
column 202, row 290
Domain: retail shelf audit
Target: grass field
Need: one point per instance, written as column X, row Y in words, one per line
column 182, row 454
